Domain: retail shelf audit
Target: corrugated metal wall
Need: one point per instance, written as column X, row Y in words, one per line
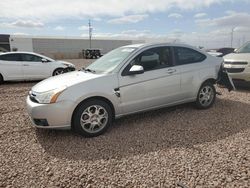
column 21, row 44
column 72, row 48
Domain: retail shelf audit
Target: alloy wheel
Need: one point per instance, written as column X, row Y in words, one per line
column 206, row 96
column 94, row 119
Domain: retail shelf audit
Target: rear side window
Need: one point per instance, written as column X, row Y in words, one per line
column 10, row 57
column 31, row 58
column 185, row 56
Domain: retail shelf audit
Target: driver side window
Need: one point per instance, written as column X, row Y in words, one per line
column 31, row 58
column 152, row 59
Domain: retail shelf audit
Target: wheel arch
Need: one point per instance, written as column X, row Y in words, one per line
column 211, row 80
column 96, row 98
column 2, row 76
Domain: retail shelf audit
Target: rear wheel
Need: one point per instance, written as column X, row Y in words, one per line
column 92, row 118
column 206, row 96
column 58, row 71
column 1, row 79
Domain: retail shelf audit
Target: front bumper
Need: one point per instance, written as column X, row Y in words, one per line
column 57, row 115
column 238, row 72
column 245, row 75
column 240, row 76
column 69, row 69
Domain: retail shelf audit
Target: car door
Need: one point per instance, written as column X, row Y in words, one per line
column 157, row 86
column 11, row 66
column 34, row 67
column 190, row 62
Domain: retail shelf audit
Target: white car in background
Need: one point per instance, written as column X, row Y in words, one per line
column 238, row 64
column 16, row 66
column 214, row 53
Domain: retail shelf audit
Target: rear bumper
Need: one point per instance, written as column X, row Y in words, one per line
column 56, row 116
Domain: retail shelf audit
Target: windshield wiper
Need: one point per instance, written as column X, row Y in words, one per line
column 88, row 70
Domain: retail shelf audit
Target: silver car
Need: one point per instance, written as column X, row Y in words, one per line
column 238, row 63
column 127, row 80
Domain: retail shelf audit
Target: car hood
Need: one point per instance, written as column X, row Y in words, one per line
column 67, row 79
column 238, row 56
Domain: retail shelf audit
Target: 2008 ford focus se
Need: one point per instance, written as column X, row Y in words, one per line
column 127, row 80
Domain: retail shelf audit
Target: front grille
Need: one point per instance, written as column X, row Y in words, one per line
column 236, row 62
column 234, row 70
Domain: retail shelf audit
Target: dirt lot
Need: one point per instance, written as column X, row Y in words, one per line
column 162, row 148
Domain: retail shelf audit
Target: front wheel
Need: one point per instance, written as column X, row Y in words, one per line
column 92, row 118
column 58, row 71
column 206, row 96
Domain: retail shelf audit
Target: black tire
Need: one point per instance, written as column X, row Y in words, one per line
column 84, row 128
column 1, row 79
column 56, row 72
column 203, row 100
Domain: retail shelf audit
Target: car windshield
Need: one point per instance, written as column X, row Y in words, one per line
column 244, row 49
column 111, row 60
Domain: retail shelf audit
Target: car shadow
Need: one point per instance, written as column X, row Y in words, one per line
column 15, row 83
column 176, row 127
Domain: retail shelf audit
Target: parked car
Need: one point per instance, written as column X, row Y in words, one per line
column 16, row 66
column 91, row 53
column 127, row 80
column 221, row 51
column 214, row 53
column 225, row 51
column 238, row 64
column 2, row 50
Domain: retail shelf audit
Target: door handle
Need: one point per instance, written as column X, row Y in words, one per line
column 25, row 65
column 171, row 71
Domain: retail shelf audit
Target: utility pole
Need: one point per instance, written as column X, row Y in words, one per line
column 232, row 36
column 90, row 34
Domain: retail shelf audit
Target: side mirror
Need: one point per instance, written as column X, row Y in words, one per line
column 235, row 50
column 136, row 69
column 44, row 60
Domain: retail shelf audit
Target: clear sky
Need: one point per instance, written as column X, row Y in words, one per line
column 206, row 23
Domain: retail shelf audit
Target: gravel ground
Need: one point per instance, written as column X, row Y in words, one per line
column 161, row 148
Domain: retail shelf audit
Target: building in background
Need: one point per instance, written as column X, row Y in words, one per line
column 59, row 47
column 4, row 43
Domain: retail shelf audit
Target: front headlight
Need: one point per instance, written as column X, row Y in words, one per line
column 68, row 65
column 49, row 96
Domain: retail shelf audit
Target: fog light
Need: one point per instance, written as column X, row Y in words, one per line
column 41, row 122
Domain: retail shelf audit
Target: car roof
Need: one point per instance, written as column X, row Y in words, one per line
column 145, row 45
column 142, row 45
column 133, row 46
column 23, row 52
